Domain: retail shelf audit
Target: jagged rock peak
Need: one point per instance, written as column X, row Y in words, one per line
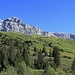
column 13, row 18
column 14, row 24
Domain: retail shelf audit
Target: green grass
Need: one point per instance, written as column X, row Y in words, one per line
column 66, row 63
column 39, row 41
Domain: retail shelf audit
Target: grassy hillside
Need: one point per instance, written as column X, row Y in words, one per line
column 16, row 40
column 39, row 41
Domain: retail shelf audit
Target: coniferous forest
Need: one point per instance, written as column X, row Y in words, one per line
column 36, row 55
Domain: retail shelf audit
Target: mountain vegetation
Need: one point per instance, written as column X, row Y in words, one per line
column 14, row 24
column 36, row 55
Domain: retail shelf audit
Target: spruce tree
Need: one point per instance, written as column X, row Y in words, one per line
column 50, row 54
column 44, row 51
column 12, row 55
column 3, row 58
column 35, row 63
column 40, row 60
column 73, row 64
column 35, row 49
column 25, row 56
column 56, row 55
column 18, row 58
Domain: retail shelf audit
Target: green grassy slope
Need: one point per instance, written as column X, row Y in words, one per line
column 39, row 41
column 67, row 46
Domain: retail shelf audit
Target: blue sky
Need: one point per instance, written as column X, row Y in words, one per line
column 49, row 15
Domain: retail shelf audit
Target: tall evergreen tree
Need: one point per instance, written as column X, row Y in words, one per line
column 3, row 58
column 25, row 56
column 35, row 49
column 12, row 55
column 73, row 64
column 35, row 63
column 40, row 60
column 50, row 54
column 18, row 58
column 44, row 51
column 56, row 55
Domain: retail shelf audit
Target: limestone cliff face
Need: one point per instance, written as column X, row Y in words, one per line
column 14, row 24
column 65, row 35
column 62, row 35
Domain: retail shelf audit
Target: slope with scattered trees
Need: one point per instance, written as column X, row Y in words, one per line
column 35, row 55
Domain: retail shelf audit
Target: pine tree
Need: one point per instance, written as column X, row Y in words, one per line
column 18, row 57
column 35, row 63
column 3, row 58
column 40, row 60
column 50, row 54
column 44, row 51
column 73, row 64
column 56, row 55
column 50, row 44
column 35, row 49
column 25, row 56
column 12, row 55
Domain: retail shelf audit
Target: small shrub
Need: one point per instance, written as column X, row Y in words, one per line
column 67, row 57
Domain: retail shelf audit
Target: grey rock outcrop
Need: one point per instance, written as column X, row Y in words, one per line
column 14, row 24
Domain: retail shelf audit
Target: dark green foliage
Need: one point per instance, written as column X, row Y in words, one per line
column 18, row 58
column 28, row 43
column 73, row 64
column 50, row 44
column 67, row 57
column 40, row 61
column 73, row 72
column 56, row 55
column 12, row 55
column 35, row 49
column 9, row 71
column 50, row 54
column 21, row 68
column 35, row 63
column 25, row 56
column 49, row 71
column 19, row 53
column 3, row 58
column 44, row 51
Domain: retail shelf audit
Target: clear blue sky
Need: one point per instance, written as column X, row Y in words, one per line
column 49, row 15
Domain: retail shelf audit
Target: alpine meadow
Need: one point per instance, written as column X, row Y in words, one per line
column 36, row 55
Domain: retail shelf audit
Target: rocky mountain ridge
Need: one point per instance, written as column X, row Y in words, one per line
column 14, row 24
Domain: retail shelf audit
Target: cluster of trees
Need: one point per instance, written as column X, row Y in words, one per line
column 15, row 58
column 12, row 56
column 41, row 61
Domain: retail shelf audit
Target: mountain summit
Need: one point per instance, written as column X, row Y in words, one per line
column 14, row 24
